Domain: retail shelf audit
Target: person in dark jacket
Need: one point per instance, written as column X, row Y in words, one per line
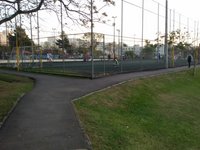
column 189, row 59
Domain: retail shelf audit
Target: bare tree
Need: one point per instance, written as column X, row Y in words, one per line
column 9, row 9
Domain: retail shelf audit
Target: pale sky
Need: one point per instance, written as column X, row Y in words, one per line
column 184, row 9
column 49, row 25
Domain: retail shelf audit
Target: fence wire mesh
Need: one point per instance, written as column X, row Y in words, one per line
column 109, row 57
column 137, row 44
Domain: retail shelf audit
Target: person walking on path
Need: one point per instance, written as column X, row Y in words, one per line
column 189, row 59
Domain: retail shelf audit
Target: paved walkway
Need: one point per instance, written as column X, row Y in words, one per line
column 45, row 119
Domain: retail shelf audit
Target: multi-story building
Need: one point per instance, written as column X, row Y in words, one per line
column 136, row 49
column 51, row 40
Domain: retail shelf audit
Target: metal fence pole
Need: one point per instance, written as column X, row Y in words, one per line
column 122, row 15
column 92, row 61
column 104, row 62
column 166, row 35
column 17, row 45
column 61, row 18
column 38, row 39
column 31, row 29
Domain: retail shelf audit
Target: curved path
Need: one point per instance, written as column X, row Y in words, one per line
column 44, row 119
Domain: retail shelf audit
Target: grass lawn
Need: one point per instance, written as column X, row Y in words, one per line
column 156, row 113
column 11, row 88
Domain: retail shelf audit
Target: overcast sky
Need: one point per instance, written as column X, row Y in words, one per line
column 49, row 25
column 187, row 12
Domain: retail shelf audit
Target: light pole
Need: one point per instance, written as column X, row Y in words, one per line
column 114, row 17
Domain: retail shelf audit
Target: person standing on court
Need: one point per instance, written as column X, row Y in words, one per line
column 189, row 59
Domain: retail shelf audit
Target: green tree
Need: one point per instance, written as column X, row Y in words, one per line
column 97, row 38
column 19, row 35
column 130, row 54
column 47, row 45
column 177, row 41
column 4, row 52
column 64, row 43
column 149, row 50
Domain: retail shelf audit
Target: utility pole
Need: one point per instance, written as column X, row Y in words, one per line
column 166, row 35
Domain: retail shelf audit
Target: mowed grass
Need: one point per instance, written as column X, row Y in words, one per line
column 11, row 88
column 156, row 113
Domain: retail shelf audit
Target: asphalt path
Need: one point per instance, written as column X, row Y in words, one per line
column 45, row 119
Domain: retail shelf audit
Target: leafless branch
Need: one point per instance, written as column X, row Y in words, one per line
column 76, row 10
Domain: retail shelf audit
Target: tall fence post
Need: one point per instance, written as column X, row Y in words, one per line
column 122, row 15
column 166, row 35
column 104, row 61
column 92, row 61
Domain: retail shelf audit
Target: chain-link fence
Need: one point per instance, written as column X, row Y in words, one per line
column 109, row 56
column 138, row 45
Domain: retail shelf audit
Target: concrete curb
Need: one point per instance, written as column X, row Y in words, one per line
column 15, row 104
column 87, row 139
column 11, row 110
column 80, row 133
column 134, row 78
column 114, row 85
